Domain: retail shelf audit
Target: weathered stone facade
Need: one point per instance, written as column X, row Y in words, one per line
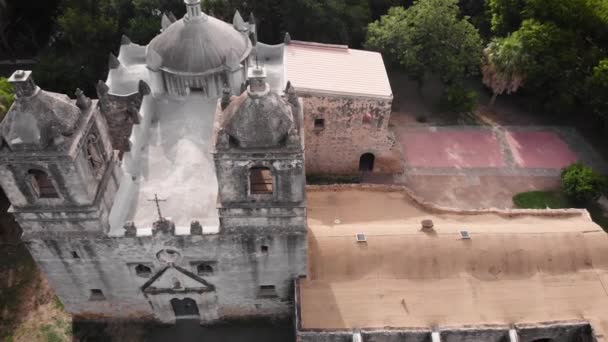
column 351, row 126
column 245, row 269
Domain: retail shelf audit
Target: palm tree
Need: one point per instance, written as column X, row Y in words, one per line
column 502, row 66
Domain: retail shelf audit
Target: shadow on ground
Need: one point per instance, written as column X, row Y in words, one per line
column 185, row 331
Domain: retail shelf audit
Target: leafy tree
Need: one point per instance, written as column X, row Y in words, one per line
column 506, row 15
column 429, row 37
column 597, row 90
column 7, row 96
column 459, row 99
column 88, row 31
column 502, row 67
column 145, row 23
column 581, row 184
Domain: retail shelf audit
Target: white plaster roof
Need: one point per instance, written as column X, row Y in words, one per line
column 199, row 45
column 336, row 69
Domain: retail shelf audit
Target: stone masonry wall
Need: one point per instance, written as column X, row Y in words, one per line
column 75, row 266
column 337, row 148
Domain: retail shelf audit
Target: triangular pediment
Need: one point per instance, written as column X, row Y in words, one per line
column 174, row 279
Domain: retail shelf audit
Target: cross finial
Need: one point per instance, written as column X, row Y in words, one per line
column 157, row 201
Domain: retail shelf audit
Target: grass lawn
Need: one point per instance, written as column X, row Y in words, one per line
column 557, row 200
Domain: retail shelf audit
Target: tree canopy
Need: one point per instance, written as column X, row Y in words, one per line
column 429, row 37
column 7, row 96
column 503, row 63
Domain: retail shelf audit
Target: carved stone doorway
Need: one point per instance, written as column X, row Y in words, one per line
column 185, row 308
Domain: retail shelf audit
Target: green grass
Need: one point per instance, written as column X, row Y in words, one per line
column 557, row 200
column 541, row 200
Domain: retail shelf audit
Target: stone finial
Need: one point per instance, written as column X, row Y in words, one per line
column 238, row 22
column 287, row 39
column 124, row 40
column 153, row 59
column 165, row 22
column 130, row 229
column 292, row 96
column 82, row 101
column 226, row 97
column 196, row 228
column 251, row 18
column 102, row 89
column 23, row 83
column 171, row 16
column 163, row 226
column 113, row 62
column 144, row 88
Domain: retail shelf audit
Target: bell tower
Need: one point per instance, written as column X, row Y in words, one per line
column 259, row 159
column 57, row 166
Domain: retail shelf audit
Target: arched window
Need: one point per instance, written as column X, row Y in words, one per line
column 94, row 154
column 260, row 181
column 143, row 271
column 42, row 184
column 204, row 270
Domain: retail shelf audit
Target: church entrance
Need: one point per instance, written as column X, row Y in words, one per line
column 366, row 162
column 185, row 308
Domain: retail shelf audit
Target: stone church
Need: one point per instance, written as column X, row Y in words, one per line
column 181, row 194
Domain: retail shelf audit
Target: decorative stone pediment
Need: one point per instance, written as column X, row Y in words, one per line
column 174, row 279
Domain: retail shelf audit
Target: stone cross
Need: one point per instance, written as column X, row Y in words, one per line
column 157, row 201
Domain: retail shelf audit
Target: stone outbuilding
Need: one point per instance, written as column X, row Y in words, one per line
column 347, row 107
column 200, row 53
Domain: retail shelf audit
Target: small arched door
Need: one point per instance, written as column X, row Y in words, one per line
column 184, row 308
column 366, row 162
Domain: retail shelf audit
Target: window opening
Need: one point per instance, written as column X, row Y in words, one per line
column 97, row 294
column 42, row 184
column 264, row 249
column 75, row 255
column 260, row 181
column 319, row 123
column 267, row 291
column 143, row 271
column 204, row 270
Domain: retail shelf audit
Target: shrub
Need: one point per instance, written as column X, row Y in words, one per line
column 459, row 99
column 581, row 184
column 7, row 96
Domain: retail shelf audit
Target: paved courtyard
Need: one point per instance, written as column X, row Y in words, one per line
column 482, row 166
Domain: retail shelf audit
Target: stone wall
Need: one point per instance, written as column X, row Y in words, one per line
column 337, row 147
column 554, row 331
column 241, row 263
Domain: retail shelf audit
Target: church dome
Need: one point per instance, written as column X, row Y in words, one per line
column 35, row 121
column 197, row 45
column 258, row 119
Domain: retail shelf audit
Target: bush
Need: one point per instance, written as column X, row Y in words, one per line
column 459, row 99
column 581, row 184
column 7, row 96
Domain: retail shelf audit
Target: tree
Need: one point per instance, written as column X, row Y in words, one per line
column 506, row 15
column 7, row 96
column 428, row 37
column 581, row 183
column 503, row 64
column 597, row 90
column 145, row 23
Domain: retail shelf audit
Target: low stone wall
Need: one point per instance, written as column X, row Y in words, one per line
column 570, row 331
column 437, row 209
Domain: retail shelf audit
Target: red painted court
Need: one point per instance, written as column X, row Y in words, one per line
column 540, row 150
column 466, row 148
